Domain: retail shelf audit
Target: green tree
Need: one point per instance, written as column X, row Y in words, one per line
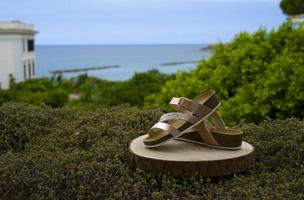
column 255, row 75
column 110, row 93
column 292, row 7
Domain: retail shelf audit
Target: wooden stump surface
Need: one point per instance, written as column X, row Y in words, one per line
column 180, row 158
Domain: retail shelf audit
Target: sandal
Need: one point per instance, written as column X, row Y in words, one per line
column 189, row 114
column 215, row 135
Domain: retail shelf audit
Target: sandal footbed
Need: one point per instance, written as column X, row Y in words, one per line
column 229, row 137
column 162, row 136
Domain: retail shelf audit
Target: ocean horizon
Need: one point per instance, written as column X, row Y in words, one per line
column 167, row 58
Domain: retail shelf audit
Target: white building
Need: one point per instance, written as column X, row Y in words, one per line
column 297, row 19
column 17, row 52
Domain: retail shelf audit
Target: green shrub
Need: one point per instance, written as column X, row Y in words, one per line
column 95, row 92
column 256, row 75
column 20, row 124
column 36, row 92
column 132, row 91
column 92, row 91
column 72, row 154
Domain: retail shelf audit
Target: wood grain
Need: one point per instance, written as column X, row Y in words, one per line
column 181, row 159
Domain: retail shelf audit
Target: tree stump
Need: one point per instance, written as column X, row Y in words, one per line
column 180, row 159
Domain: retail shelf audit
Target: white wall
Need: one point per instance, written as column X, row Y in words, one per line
column 13, row 58
column 8, row 55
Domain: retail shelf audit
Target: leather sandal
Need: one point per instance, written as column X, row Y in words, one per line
column 214, row 134
column 190, row 113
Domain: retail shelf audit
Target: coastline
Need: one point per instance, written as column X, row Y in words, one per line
column 130, row 58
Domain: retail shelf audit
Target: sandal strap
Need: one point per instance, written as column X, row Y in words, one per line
column 218, row 121
column 179, row 116
column 205, row 134
column 199, row 110
column 204, row 128
column 166, row 127
column 182, row 102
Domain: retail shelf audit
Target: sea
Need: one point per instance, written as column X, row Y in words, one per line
column 129, row 58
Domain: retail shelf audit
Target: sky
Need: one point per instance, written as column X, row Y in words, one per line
column 142, row 21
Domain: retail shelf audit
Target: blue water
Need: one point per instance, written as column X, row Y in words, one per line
column 130, row 58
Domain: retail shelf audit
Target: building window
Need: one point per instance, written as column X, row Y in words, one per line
column 30, row 45
column 24, row 45
column 29, row 70
column 33, row 68
column 24, row 71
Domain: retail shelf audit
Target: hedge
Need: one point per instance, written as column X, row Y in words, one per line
column 49, row 153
